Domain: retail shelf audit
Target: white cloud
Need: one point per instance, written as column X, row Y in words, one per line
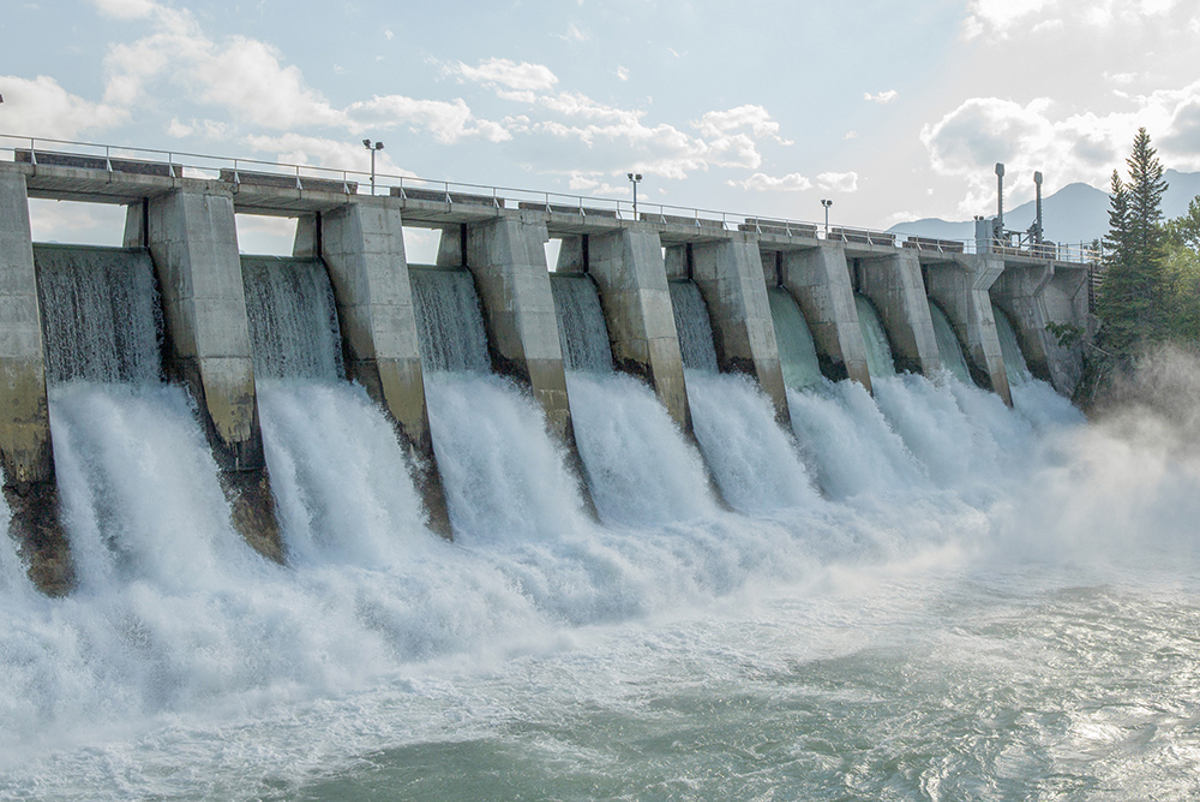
column 881, row 97
column 448, row 121
column 127, row 9
column 501, row 72
column 838, row 182
column 334, row 154
column 573, row 34
column 622, row 73
column 389, row 35
column 1012, row 18
column 968, row 141
column 761, row 182
column 756, row 118
column 40, row 107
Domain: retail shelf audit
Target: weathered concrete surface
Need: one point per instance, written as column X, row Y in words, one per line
column 819, row 280
column 362, row 245
column 961, row 287
column 1034, row 295
column 627, row 266
column 729, row 275
column 893, row 284
column 192, row 237
column 507, row 257
column 26, row 456
column 450, row 248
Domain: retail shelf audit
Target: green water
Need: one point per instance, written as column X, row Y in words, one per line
column 797, row 351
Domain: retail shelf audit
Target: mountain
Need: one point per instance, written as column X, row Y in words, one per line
column 1077, row 213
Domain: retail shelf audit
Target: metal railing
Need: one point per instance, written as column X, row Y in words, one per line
column 204, row 166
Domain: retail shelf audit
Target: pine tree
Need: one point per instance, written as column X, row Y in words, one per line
column 1133, row 300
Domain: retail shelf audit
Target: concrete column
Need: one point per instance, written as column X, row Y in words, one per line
column 1034, row 295
column 363, row 249
column 507, row 258
column 894, row 285
column 729, row 274
column 961, row 287
column 26, row 456
column 819, row 280
column 450, row 247
column 627, row 266
column 193, row 239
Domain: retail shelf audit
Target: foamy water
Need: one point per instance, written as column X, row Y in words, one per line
column 960, row 601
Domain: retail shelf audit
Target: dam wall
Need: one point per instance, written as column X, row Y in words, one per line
column 187, row 225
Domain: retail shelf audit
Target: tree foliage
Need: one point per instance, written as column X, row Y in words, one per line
column 1135, row 297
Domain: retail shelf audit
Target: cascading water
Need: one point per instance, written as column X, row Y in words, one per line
column 100, row 314
column 640, row 468
column 754, row 462
column 879, row 352
column 949, row 347
column 449, row 322
column 986, row 603
column 797, row 351
column 581, row 329
column 293, row 319
column 1014, row 361
column 341, row 482
column 693, row 326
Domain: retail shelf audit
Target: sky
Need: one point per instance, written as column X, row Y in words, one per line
column 892, row 110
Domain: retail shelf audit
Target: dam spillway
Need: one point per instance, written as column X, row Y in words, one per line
column 683, row 306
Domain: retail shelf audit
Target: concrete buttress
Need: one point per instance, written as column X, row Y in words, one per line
column 628, row 269
column 729, row 275
column 1034, row 295
column 819, row 280
column 961, row 287
column 893, row 284
column 192, row 236
column 362, row 245
column 26, row 454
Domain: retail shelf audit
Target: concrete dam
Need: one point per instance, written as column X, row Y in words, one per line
column 698, row 318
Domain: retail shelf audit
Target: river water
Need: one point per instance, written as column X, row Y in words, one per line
column 953, row 600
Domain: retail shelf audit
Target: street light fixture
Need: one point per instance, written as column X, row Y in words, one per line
column 373, row 147
column 635, row 179
column 826, row 203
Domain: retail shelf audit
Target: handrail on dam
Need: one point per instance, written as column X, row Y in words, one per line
column 183, row 164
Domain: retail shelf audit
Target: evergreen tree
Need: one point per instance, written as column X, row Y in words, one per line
column 1133, row 300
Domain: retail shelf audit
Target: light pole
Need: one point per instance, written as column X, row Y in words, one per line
column 826, row 203
column 373, row 147
column 635, row 179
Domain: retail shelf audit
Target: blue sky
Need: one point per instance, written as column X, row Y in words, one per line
column 893, row 110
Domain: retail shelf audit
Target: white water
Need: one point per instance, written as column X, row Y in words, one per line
column 880, row 361
column 754, row 461
column 920, row 633
column 625, row 438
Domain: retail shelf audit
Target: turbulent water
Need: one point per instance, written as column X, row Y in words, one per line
column 880, row 361
column 923, row 595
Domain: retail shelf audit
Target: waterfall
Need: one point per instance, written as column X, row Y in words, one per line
column 101, row 317
column 581, row 328
column 754, row 462
column 641, row 469
column 694, row 327
column 293, row 318
column 879, row 352
column 1010, row 348
column 949, row 347
column 449, row 322
column 797, row 351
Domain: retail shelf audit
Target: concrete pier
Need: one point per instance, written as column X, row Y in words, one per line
column 26, row 455
column 627, row 266
column 819, row 279
column 729, row 275
column 1034, row 295
column 961, row 287
column 362, row 246
column 893, row 284
column 507, row 258
column 192, row 237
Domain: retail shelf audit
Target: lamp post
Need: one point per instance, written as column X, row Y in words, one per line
column 373, row 147
column 635, row 179
column 826, row 203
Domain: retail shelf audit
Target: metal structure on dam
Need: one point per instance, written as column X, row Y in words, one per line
column 181, row 212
